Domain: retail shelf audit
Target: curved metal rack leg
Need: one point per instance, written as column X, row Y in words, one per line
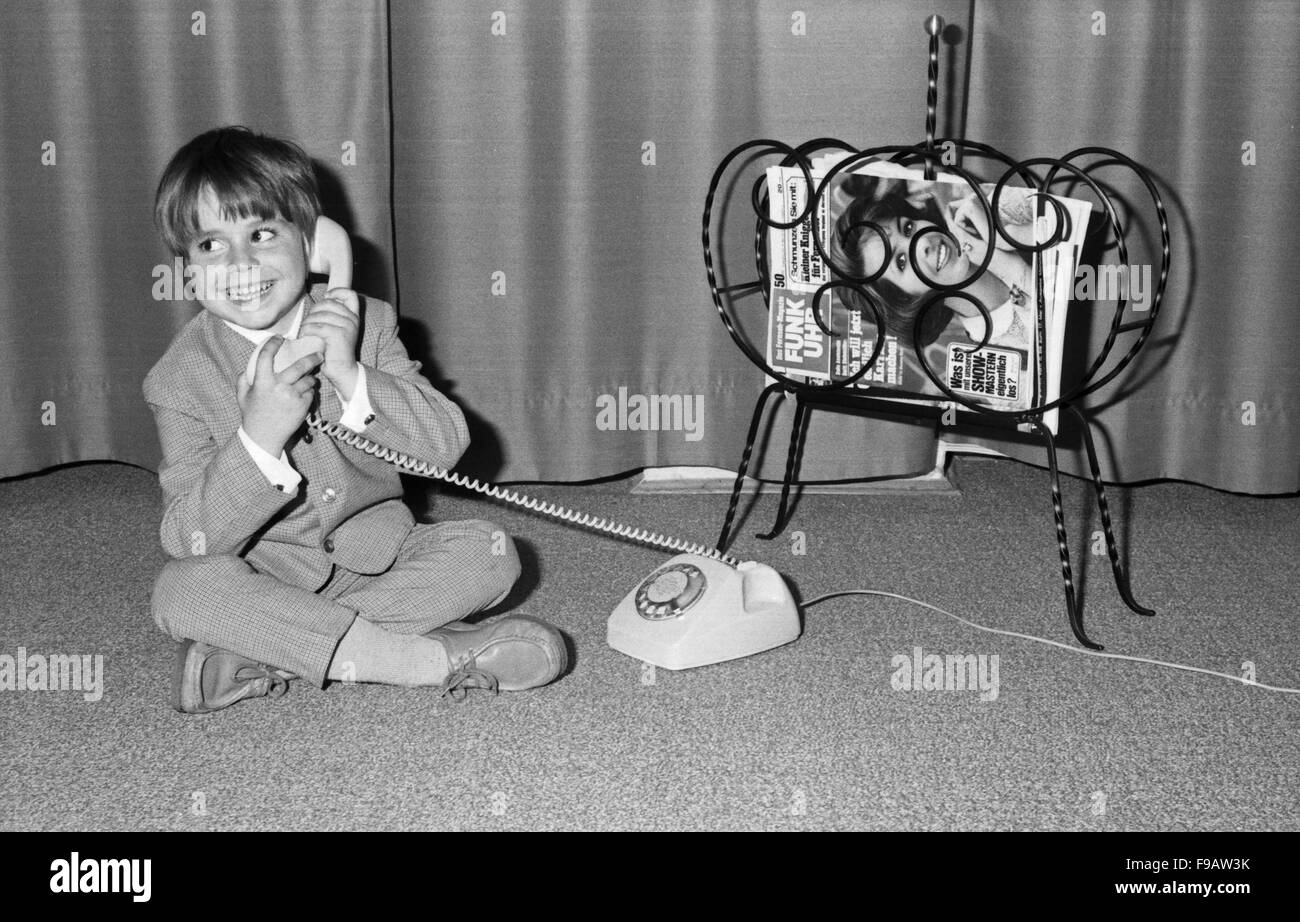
column 1112, row 548
column 1067, row 576
column 791, row 466
column 750, row 438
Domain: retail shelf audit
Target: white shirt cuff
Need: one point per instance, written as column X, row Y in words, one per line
column 357, row 412
column 277, row 470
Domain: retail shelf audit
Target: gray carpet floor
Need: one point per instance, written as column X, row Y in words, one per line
column 813, row 735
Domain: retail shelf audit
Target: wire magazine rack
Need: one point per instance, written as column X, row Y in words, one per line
column 1041, row 174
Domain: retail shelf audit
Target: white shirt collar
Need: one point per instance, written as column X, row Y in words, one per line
column 257, row 337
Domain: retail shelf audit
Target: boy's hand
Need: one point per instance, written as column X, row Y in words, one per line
column 336, row 320
column 276, row 403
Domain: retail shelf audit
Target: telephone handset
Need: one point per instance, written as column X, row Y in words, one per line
column 702, row 607
column 330, row 255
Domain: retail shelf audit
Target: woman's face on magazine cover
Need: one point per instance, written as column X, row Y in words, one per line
column 941, row 259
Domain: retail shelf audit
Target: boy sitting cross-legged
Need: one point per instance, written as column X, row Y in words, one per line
column 294, row 555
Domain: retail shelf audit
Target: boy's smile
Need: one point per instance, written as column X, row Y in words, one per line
column 254, row 269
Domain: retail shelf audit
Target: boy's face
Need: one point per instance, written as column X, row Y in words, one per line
column 254, row 269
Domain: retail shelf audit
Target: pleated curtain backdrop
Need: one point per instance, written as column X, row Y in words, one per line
column 525, row 181
column 94, row 100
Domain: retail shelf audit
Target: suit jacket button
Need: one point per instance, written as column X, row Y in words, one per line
column 329, row 494
column 306, row 437
column 369, row 419
column 329, row 545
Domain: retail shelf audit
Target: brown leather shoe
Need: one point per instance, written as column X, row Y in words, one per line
column 510, row 654
column 208, row 679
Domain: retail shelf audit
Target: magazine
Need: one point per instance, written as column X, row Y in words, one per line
column 889, row 224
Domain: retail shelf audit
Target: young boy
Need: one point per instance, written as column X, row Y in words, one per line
column 294, row 555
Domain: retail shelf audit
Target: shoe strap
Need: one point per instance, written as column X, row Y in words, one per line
column 277, row 684
column 464, row 676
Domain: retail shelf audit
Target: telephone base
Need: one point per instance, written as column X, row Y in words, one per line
column 696, row 611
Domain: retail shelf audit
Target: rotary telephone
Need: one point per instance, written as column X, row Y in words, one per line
column 701, row 607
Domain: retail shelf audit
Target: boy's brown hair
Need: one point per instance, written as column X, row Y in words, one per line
column 252, row 175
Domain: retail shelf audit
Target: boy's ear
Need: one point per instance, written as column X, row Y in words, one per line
column 330, row 253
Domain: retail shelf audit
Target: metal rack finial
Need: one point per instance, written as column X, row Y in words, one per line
column 933, row 26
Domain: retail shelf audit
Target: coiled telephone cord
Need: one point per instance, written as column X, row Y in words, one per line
column 341, row 433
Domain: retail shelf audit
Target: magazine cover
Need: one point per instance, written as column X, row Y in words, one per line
column 867, row 222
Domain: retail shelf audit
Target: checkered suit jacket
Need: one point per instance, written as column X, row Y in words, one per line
column 348, row 509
